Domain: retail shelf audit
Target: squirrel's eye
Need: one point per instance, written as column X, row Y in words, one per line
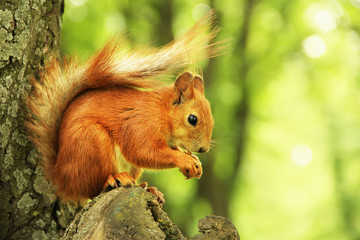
column 192, row 119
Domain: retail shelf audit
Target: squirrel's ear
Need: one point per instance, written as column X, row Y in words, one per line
column 198, row 84
column 183, row 82
column 183, row 88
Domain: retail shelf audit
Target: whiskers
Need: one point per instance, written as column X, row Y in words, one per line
column 213, row 144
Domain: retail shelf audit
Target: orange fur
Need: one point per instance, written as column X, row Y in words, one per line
column 92, row 121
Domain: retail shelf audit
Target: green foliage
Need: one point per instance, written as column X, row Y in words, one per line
column 291, row 75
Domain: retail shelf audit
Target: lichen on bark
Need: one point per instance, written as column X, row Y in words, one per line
column 29, row 34
column 133, row 213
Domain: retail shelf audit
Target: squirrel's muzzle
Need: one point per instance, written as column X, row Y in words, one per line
column 203, row 150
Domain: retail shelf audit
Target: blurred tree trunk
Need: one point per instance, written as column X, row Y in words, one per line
column 242, row 115
column 210, row 187
column 346, row 201
column 216, row 190
column 29, row 34
column 164, row 28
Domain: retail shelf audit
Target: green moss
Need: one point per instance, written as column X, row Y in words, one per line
column 39, row 171
column 43, row 187
column 21, row 181
column 20, row 138
column 40, row 223
column 6, row 19
column 8, row 158
column 39, row 235
column 26, row 202
column 14, row 108
column 3, row 92
column 5, row 130
column 31, row 158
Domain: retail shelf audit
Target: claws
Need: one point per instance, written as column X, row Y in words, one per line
column 190, row 167
column 153, row 190
column 122, row 179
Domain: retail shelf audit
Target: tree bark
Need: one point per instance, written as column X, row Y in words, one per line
column 29, row 34
column 133, row 213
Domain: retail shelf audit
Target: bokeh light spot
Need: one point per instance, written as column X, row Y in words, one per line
column 301, row 155
column 324, row 20
column 78, row 3
column 200, row 10
column 314, row 46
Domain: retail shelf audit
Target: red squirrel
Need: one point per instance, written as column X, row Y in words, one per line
column 99, row 123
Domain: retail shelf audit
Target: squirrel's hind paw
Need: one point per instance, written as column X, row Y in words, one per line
column 153, row 190
column 122, row 179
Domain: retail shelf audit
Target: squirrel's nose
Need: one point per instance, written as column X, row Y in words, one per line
column 203, row 149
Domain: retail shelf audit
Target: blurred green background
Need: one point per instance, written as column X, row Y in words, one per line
column 285, row 98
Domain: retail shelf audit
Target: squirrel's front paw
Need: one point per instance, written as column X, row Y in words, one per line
column 190, row 167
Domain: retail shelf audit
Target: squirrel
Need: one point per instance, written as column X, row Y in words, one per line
column 100, row 123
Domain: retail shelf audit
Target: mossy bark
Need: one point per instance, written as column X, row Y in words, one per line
column 29, row 35
column 133, row 213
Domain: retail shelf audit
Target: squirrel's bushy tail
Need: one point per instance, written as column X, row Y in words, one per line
column 115, row 64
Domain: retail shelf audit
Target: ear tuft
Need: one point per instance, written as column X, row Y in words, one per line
column 198, row 84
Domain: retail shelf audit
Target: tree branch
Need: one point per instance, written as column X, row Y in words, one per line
column 133, row 213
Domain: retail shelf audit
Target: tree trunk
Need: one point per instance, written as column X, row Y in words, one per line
column 29, row 35
column 219, row 191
